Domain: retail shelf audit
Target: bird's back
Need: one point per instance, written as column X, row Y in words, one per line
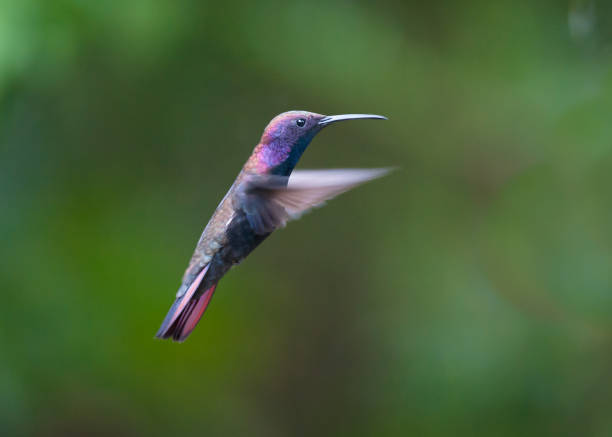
column 226, row 240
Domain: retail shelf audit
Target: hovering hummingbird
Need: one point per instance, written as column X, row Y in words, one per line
column 266, row 194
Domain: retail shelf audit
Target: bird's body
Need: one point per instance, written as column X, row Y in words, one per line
column 226, row 240
column 264, row 196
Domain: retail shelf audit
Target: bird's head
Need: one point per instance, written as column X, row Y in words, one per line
column 287, row 136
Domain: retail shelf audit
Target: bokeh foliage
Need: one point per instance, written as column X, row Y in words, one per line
column 467, row 294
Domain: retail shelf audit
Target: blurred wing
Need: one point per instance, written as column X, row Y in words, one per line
column 269, row 202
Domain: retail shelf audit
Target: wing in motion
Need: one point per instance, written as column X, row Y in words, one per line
column 270, row 201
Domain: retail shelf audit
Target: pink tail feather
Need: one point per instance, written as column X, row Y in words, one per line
column 186, row 311
column 191, row 315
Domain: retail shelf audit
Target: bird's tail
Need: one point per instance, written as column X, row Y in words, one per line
column 186, row 311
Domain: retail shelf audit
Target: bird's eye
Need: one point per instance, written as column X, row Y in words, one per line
column 300, row 122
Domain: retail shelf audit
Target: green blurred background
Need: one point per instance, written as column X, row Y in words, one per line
column 469, row 293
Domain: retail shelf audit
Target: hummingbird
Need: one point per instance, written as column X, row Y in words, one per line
column 266, row 194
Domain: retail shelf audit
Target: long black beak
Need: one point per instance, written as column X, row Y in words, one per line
column 334, row 118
